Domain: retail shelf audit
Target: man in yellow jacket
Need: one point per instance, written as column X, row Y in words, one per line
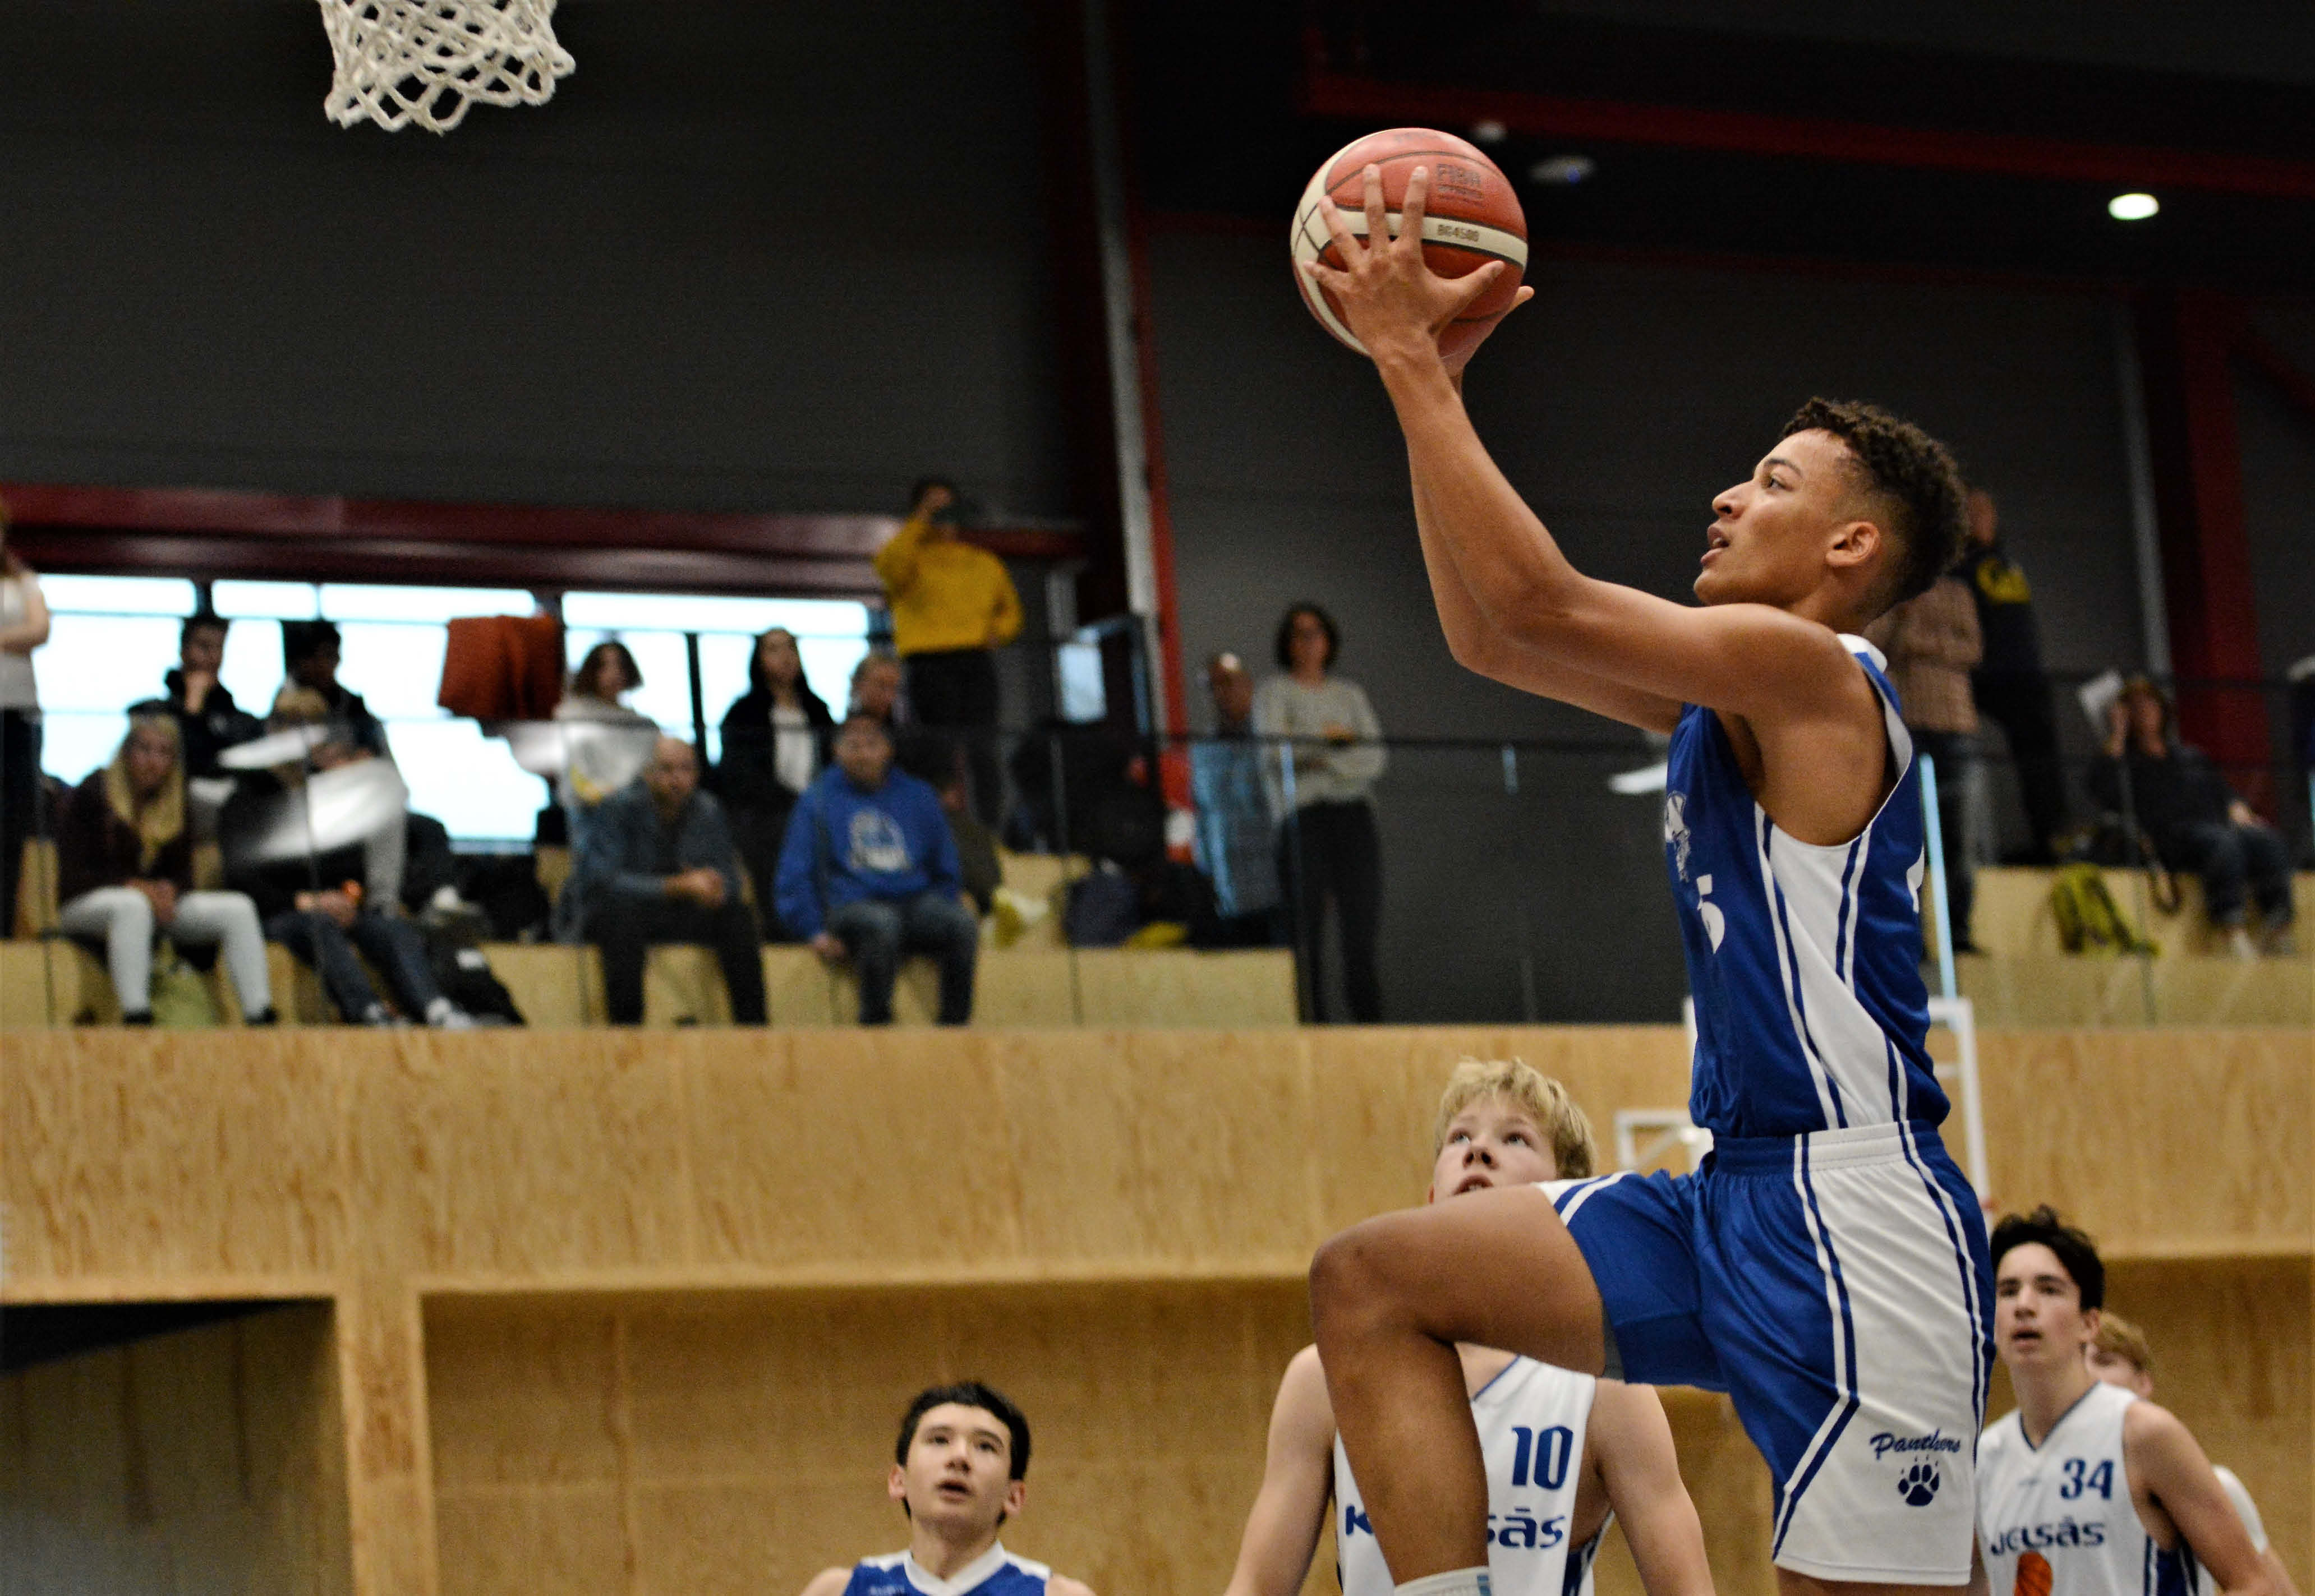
column 952, row 605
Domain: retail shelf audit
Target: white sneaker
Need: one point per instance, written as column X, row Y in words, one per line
column 2240, row 944
column 446, row 1015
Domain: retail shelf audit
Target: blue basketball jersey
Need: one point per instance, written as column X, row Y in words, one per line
column 995, row 1573
column 1805, row 960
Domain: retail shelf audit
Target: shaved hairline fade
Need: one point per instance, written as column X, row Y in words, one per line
column 1915, row 476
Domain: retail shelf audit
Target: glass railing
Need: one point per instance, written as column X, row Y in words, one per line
column 1512, row 880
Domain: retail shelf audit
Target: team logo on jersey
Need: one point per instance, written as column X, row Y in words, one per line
column 2065, row 1532
column 1936, row 1441
column 1919, row 1485
column 878, row 843
column 1518, row 1530
column 1676, row 831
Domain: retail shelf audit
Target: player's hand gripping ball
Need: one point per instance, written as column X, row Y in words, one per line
column 1471, row 218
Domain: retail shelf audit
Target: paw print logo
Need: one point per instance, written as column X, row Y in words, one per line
column 1920, row 1484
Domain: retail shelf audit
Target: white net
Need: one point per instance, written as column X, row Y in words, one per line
column 425, row 61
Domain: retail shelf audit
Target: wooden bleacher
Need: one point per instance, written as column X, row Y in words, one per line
column 1034, row 981
column 2023, row 976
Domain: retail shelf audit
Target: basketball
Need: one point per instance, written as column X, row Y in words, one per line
column 1471, row 218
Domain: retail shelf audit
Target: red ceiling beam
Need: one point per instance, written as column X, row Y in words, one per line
column 216, row 557
column 2188, row 337
column 209, row 532
column 1329, row 92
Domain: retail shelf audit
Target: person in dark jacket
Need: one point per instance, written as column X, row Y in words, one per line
column 125, row 872
column 317, row 906
column 2008, row 684
column 869, row 872
column 209, row 719
column 658, row 865
column 936, row 758
column 2178, row 799
column 309, row 654
column 776, row 738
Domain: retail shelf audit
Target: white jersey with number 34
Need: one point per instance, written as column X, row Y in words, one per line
column 2057, row 1520
column 1531, row 1419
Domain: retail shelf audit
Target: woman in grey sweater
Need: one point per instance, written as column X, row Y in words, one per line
column 1327, row 845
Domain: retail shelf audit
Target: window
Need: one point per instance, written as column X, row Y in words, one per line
column 114, row 639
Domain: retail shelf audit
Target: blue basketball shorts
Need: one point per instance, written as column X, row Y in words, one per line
column 1837, row 1286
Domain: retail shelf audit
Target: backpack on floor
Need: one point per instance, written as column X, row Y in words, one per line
column 182, row 998
column 2088, row 919
column 464, row 973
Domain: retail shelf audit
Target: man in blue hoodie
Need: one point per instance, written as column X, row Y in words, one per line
column 869, row 872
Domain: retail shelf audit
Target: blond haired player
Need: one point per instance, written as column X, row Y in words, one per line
column 1562, row 1451
column 2087, row 1489
column 2118, row 1355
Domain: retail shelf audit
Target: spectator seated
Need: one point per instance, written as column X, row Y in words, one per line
column 125, row 875
column 869, row 871
column 657, row 865
column 326, row 883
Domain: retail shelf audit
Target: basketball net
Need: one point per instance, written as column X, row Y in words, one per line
column 425, row 61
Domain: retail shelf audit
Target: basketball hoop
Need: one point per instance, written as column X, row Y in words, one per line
column 425, row 61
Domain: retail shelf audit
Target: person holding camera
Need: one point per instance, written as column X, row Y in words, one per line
column 953, row 606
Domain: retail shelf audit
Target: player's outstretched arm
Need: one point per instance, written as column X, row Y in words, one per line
column 2164, row 1459
column 1632, row 1442
column 1749, row 659
column 1478, row 646
column 1290, row 1510
column 829, row 1582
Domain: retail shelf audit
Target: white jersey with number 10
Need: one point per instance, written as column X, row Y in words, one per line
column 1531, row 1419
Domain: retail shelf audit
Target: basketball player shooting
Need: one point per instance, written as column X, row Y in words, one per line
column 1828, row 1268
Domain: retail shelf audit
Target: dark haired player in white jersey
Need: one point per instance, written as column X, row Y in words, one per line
column 2087, row 1489
column 1564, row 1451
column 1828, row 1267
column 960, row 1469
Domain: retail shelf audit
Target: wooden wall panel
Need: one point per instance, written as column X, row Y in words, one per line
column 2162, row 1142
column 740, row 1444
column 207, row 1459
column 2230, row 1341
column 1074, row 1178
column 171, row 1163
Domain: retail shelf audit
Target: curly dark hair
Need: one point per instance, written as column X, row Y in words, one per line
column 1911, row 469
column 2073, row 1247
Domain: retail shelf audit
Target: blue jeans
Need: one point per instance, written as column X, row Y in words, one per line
column 2231, row 858
column 396, row 946
column 876, row 932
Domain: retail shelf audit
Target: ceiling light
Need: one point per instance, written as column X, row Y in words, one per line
column 2132, row 207
column 1562, row 170
column 1490, row 131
